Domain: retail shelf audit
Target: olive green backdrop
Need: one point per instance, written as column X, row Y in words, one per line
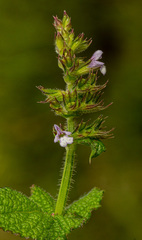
column 27, row 152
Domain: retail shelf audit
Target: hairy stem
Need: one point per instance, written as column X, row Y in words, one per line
column 67, row 172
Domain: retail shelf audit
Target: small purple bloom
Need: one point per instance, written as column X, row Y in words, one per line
column 97, row 64
column 62, row 136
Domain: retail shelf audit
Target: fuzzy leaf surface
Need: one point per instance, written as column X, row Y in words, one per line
column 76, row 214
column 24, row 216
column 80, row 211
column 33, row 217
column 43, row 199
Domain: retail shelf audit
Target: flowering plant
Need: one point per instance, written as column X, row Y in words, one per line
column 40, row 216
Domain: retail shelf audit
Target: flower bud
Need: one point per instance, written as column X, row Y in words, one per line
column 82, row 70
column 70, row 78
column 77, row 42
column 59, row 43
column 66, row 22
column 80, row 44
column 61, row 64
column 71, row 38
column 58, row 24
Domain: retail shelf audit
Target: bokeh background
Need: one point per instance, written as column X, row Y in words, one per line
column 27, row 152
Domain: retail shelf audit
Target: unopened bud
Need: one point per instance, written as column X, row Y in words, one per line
column 59, row 43
column 71, row 37
column 82, row 71
column 77, row 42
column 57, row 24
column 66, row 22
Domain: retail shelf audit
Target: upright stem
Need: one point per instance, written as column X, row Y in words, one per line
column 67, row 172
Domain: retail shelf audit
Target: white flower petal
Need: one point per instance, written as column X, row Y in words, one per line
column 69, row 140
column 103, row 69
column 63, row 142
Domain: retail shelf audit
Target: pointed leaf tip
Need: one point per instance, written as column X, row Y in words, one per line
column 80, row 211
column 43, row 199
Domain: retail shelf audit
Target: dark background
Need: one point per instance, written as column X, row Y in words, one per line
column 27, row 152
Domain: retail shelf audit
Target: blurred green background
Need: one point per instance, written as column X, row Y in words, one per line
column 27, row 152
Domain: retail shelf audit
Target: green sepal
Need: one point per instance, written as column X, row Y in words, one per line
column 70, row 38
column 79, row 45
column 59, row 44
column 89, row 84
column 94, row 130
column 51, row 94
column 66, row 21
column 73, row 103
column 82, row 69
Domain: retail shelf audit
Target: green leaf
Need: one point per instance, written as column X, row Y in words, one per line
column 22, row 215
column 90, row 134
column 76, row 214
column 97, row 147
column 80, row 211
column 34, row 216
column 43, row 199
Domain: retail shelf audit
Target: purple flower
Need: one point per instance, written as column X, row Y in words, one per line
column 62, row 136
column 97, row 64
